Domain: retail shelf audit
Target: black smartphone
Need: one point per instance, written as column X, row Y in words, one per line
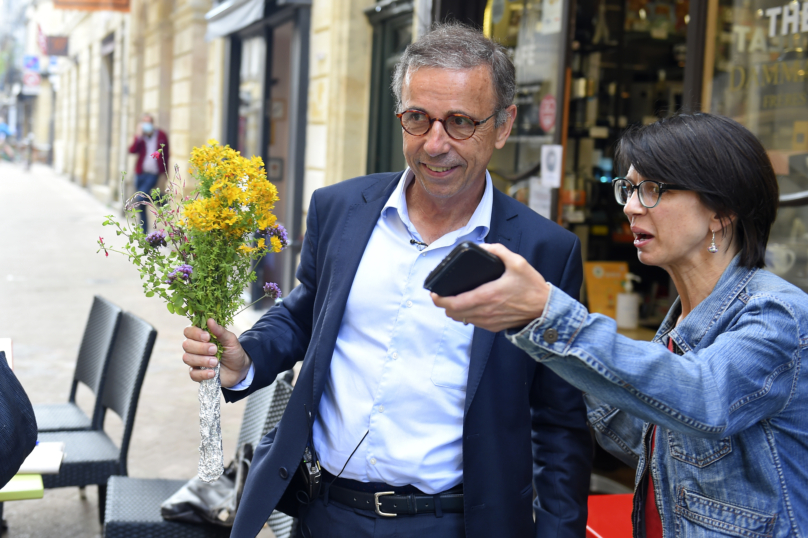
column 466, row 267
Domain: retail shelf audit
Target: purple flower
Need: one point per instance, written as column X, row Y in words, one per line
column 272, row 290
column 157, row 239
column 276, row 231
column 183, row 271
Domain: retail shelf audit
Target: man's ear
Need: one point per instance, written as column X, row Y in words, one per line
column 504, row 130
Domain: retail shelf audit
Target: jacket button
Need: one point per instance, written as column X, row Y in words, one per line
column 551, row 336
column 283, row 472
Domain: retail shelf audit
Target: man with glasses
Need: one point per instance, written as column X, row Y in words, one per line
column 422, row 425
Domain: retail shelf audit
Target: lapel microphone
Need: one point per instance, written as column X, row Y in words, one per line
column 418, row 244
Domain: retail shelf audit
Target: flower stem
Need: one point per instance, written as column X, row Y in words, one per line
column 252, row 303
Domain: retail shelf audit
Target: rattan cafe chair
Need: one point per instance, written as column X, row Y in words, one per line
column 133, row 504
column 94, row 353
column 91, row 457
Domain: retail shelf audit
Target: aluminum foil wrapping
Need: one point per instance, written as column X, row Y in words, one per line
column 211, row 457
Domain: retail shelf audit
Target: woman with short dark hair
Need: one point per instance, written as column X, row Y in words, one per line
column 713, row 412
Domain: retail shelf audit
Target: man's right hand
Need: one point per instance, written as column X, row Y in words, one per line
column 200, row 352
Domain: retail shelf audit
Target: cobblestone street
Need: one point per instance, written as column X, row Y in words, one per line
column 49, row 273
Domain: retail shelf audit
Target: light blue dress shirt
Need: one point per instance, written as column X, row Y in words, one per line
column 400, row 366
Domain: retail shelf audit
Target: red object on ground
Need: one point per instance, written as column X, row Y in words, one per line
column 609, row 516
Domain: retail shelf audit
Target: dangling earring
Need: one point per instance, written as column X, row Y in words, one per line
column 713, row 249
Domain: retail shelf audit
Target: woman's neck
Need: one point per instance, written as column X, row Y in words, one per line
column 696, row 279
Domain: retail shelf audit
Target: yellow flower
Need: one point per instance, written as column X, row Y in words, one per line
column 235, row 196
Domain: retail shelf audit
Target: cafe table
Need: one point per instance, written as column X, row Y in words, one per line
column 22, row 487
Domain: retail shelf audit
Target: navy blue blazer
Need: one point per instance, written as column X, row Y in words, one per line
column 523, row 425
column 17, row 423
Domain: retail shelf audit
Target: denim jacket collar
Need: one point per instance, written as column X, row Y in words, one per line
column 693, row 328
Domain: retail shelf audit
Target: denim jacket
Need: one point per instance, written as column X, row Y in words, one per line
column 731, row 444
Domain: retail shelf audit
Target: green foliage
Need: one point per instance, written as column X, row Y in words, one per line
column 199, row 274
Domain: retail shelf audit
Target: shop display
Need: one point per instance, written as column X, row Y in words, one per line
column 757, row 63
column 626, row 63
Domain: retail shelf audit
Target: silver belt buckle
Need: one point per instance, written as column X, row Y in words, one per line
column 379, row 504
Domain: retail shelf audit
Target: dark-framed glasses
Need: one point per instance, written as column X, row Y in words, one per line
column 649, row 191
column 457, row 126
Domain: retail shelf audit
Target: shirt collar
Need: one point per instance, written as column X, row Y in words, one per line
column 480, row 220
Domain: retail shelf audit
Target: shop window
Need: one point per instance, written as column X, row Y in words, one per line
column 627, row 68
column 755, row 73
column 533, row 32
column 251, row 95
column 583, row 77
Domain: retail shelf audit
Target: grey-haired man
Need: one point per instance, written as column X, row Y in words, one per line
column 424, row 426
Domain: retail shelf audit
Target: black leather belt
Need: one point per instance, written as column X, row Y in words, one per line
column 392, row 504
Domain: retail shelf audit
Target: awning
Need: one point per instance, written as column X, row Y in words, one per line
column 231, row 16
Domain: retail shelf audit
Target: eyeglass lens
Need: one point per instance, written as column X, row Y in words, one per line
column 457, row 126
column 648, row 192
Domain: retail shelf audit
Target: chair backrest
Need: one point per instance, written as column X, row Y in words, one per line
column 264, row 410
column 127, row 368
column 94, row 352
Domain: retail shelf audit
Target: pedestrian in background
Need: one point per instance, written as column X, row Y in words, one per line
column 6, row 151
column 712, row 413
column 149, row 140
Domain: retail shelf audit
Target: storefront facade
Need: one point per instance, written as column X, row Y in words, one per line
column 588, row 69
column 305, row 85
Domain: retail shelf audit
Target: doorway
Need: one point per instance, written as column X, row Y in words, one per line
column 267, row 118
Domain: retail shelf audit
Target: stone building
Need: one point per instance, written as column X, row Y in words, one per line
column 288, row 81
column 302, row 83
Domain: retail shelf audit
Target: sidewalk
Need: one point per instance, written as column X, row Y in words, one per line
column 49, row 272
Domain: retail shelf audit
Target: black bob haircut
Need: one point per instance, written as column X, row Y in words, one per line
column 719, row 159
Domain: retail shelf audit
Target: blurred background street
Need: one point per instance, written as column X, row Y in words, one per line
column 49, row 273
column 90, row 88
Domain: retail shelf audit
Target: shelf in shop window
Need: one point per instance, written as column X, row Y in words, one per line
column 596, row 47
column 535, row 139
column 586, row 133
column 672, row 38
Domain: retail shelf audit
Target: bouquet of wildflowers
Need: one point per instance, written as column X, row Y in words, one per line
column 202, row 253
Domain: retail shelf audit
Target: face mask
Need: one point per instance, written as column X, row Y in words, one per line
column 147, row 127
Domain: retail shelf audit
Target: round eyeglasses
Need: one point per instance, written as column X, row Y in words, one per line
column 649, row 191
column 457, row 126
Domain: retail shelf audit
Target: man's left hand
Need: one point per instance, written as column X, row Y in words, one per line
column 513, row 300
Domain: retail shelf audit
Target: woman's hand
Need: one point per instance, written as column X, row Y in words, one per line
column 512, row 301
column 200, row 352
